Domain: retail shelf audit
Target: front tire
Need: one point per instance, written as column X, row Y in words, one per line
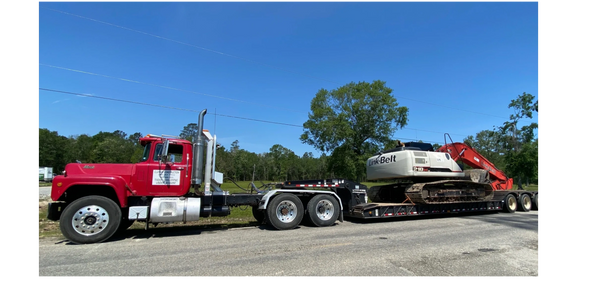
column 285, row 211
column 323, row 210
column 90, row 219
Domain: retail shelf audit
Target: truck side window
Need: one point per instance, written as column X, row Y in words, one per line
column 175, row 151
column 146, row 152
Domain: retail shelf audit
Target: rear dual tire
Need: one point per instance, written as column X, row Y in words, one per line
column 525, row 202
column 323, row 210
column 510, row 203
column 286, row 211
column 537, row 202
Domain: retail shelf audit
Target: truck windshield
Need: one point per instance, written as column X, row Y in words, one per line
column 146, row 152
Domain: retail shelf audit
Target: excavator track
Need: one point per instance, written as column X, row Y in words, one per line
column 446, row 191
column 436, row 192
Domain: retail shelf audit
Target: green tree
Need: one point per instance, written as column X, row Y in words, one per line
column 82, row 147
column 189, row 132
column 52, row 150
column 282, row 160
column 521, row 144
column 114, row 147
column 137, row 150
column 353, row 122
column 489, row 144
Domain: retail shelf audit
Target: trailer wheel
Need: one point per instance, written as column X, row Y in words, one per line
column 323, row 210
column 90, row 219
column 510, row 203
column 285, row 211
column 525, row 202
column 537, row 202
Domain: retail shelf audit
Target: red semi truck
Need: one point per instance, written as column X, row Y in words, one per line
column 176, row 181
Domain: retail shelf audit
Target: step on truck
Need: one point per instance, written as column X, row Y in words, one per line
column 176, row 181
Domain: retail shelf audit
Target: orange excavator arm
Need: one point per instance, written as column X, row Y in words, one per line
column 469, row 156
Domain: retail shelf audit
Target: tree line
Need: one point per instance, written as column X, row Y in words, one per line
column 105, row 147
column 347, row 125
column 237, row 164
column 511, row 148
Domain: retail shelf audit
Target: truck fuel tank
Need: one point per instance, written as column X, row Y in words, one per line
column 174, row 209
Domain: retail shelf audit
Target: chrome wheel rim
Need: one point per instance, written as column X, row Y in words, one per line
column 324, row 210
column 90, row 220
column 286, row 211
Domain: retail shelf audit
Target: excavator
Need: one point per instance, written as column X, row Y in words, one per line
column 426, row 176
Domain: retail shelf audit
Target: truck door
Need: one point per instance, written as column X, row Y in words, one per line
column 170, row 178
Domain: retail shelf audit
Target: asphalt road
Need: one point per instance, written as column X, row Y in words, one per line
column 496, row 244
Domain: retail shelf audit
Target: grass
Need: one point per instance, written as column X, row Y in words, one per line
column 239, row 217
column 47, row 228
column 531, row 187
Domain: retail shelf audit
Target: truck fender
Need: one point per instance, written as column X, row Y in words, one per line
column 117, row 184
column 264, row 201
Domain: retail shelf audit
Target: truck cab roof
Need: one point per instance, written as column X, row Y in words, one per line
column 149, row 138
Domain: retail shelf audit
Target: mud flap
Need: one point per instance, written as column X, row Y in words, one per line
column 54, row 210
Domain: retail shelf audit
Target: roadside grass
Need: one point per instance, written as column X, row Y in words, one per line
column 47, row 228
column 531, row 187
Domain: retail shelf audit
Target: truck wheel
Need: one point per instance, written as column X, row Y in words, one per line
column 323, row 210
column 510, row 203
column 90, row 219
column 285, row 211
column 537, row 201
column 525, row 202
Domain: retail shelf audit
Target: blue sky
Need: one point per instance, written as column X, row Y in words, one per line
column 456, row 66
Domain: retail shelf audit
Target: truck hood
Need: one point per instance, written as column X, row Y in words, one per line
column 121, row 170
column 117, row 175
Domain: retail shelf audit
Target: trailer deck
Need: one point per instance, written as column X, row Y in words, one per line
column 394, row 210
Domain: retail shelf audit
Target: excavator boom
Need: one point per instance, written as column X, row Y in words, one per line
column 468, row 155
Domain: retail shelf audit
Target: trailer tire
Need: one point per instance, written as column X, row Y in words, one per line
column 537, row 201
column 525, row 202
column 323, row 210
column 285, row 211
column 90, row 219
column 510, row 203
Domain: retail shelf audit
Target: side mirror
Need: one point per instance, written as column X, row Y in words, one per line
column 164, row 151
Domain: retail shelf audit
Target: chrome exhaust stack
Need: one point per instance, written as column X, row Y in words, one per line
column 198, row 153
